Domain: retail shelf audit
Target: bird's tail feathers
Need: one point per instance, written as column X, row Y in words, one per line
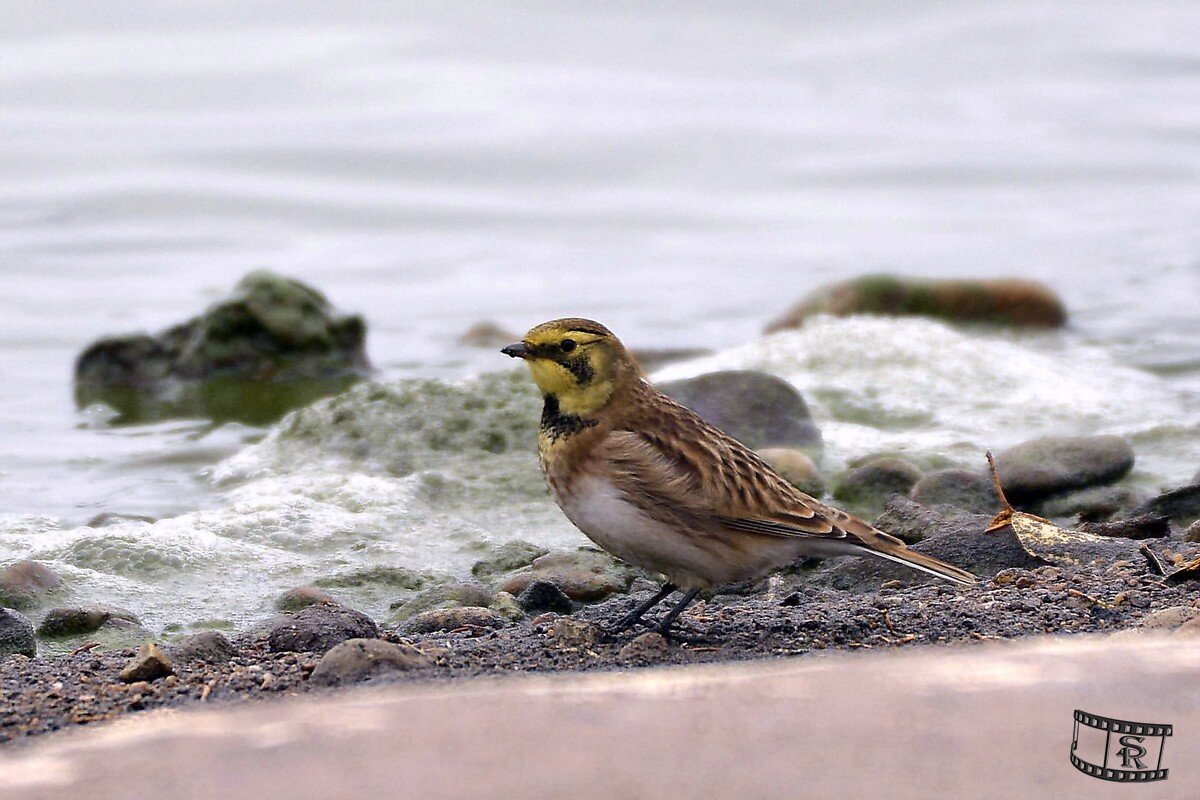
column 924, row 563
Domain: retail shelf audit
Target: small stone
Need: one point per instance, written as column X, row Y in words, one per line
column 1192, row 534
column 646, row 647
column 318, row 628
column 867, row 488
column 148, row 664
column 652, row 358
column 1097, row 504
column 1142, row 527
column 544, row 596
column 506, row 606
column 16, row 634
column 60, row 622
column 208, row 646
column 455, row 594
column 1052, row 465
column 268, row 679
column 506, row 558
column 796, row 467
column 1026, row 582
column 1169, row 618
column 300, row 597
column 584, row 575
column 107, row 519
column 961, row 488
column 567, row 632
column 1182, row 505
column 450, row 619
column 379, row 575
column 488, row 334
column 24, row 583
column 757, row 409
column 359, row 659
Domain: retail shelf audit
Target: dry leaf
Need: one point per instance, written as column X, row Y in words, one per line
column 1188, row 572
column 1040, row 537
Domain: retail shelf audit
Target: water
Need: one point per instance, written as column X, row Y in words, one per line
column 682, row 172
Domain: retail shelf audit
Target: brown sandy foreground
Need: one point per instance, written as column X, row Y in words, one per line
column 987, row 720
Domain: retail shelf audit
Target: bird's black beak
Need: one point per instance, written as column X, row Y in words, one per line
column 518, row 350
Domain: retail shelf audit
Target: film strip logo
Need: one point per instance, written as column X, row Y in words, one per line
column 1118, row 750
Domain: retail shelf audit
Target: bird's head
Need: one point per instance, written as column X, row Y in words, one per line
column 577, row 361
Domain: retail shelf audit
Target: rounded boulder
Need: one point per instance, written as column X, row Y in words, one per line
column 757, row 409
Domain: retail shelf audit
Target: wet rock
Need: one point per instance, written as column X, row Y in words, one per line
column 1008, row 302
column 1098, row 504
column 1182, row 505
column 359, row 659
column 60, row 622
column 379, row 575
column 1052, row 465
column 950, row 534
column 273, row 345
column 1169, row 618
column 318, row 628
column 507, row 557
column 148, row 664
column 506, row 606
column 796, row 467
column 488, row 334
column 542, row 596
column 447, row 595
column 757, row 409
column 1145, row 527
column 107, row 519
column 1192, row 534
column 25, row 583
column 649, row 646
column 16, row 634
column 585, row 575
column 300, row 597
column 450, row 619
column 866, row 489
column 961, row 488
column 211, row 647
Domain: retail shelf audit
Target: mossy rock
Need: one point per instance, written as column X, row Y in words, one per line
column 507, row 557
column 275, row 344
column 447, row 595
column 60, row 622
column 1008, row 302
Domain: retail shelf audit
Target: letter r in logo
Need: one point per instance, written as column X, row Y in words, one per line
column 1131, row 752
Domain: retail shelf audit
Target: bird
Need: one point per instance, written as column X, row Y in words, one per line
column 652, row 483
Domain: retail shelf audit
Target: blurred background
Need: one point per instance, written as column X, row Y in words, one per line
column 683, row 172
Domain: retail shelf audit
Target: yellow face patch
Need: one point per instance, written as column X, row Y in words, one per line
column 577, row 367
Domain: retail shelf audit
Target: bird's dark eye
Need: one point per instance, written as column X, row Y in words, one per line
column 566, row 345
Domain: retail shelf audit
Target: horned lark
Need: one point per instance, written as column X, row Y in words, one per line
column 660, row 488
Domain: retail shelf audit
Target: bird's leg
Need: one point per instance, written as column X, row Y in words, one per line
column 664, row 627
column 635, row 616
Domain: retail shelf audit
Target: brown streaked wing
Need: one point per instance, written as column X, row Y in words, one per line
column 682, row 470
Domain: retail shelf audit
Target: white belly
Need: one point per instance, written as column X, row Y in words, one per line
column 691, row 559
